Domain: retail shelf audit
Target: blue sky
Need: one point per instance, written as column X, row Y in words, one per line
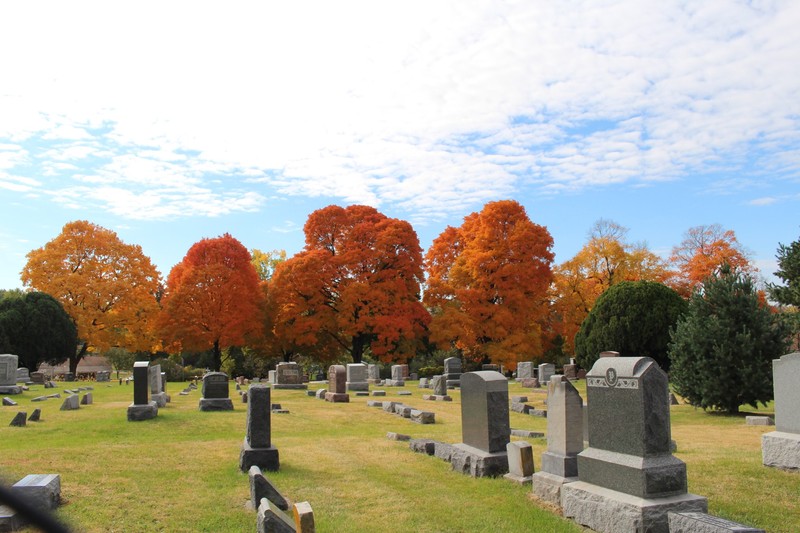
column 168, row 122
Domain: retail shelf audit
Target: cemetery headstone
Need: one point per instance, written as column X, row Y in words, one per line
column 288, row 376
column 41, row 491
column 781, row 448
column 19, row 419
column 357, row 377
column 373, row 374
column 524, row 370
column 71, row 403
column 157, row 393
column 571, row 371
column 452, row 371
column 272, row 520
column 261, row 487
column 628, row 478
column 545, row 371
column 490, row 367
column 257, row 448
column 69, row 376
column 303, row 517
column 9, row 401
column 215, row 392
column 87, row 399
column 399, row 373
column 520, row 462
column 705, row 523
column 36, row 415
column 37, row 378
column 272, row 376
column 485, row 426
column 23, row 375
column 8, row 374
column 103, row 376
column 337, row 385
column 564, row 440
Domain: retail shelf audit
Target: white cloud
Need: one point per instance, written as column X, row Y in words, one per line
column 433, row 108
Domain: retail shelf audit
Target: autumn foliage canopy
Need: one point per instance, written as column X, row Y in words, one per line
column 212, row 299
column 487, row 285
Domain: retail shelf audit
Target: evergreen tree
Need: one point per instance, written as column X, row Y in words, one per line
column 722, row 348
column 789, row 272
column 632, row 318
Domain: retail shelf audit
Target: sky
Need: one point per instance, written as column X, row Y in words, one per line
column 169, row 122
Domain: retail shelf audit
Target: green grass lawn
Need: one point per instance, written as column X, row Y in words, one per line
column 179, row 472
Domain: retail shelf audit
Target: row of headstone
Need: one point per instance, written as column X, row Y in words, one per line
column 20, row 419
column 405, row 411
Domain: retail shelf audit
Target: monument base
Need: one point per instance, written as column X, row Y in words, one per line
column 609, row 511
column 10, row 520
column 780, row 449
column 518, row 479
column 216, row 404
column 374, row 381
column 291, row 386
column 357, row 386
column 547, row 486
column 453, row 383
column 337, row 397
column 478, row 463
column 160, row 399
column 395, row 383
column 142, row 411
column 264, row 458
column 10, row 389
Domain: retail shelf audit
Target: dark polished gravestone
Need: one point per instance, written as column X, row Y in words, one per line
column 485, row 427
column 257, row 449
column 216, row 393
column 141, row 408
column 628, row 478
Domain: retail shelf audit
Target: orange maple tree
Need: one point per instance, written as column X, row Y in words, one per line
column 354, row 288
column 605, row 260
column 702, row 252
column 487, row 285
column 212, row 299
column 108, row 288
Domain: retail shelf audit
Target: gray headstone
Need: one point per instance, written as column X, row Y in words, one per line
column 288, row 374
column 786, row 376
column 373, row 372
column 520, row 461
column 215, row 385
column 71, row 403
column 571, row 371
column 337, row 379
column 524, row 370
column 9, row 401
column 545, row 371
column 8, row 369
column 23, row 375
column 87, row 399
column 154, row 379
column 357, row 377
column 304, row 517
column 272, row 376
column 484, row 411
column 272, row 520
column 629, row 430
column 102, row 376
column 705, row 523
column 261, row 487
column 42, row 491
column 19, row 419
column 564, row 428
column 141, row 387
column 37, row 377
column 259, row 423
column 439, row 385
column 399, row 372
column 36, row 415
column 452, row 365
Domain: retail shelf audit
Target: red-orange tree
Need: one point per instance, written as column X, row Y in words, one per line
column 212, row 300
column 354, row 287
column 107, row 287
column 487, row 285
column 702, row 252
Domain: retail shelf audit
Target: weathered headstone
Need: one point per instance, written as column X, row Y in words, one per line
column 23, row 375
column 272, row 520
column 781, row 448
column 545, row 371
column 257, row 448
column 9, row 401
column 524, row 370
column 261, row 487
column 87, row 399
column 103, row 376
column 564, row 440
column 69, row 376
column 629, row 479
column 485, row 426
column 157, row 393
column 36, row 415
column 337, row 385
column 357, row 377
column 571, row 371
column 288, row 376
column 41, row 491
column 37, row 378
column 303, row 517
column 373, row 374
column 452, row 371
column 272, row 376
column 439, row 385
column 399, row 374
column 8, row 374
column 216, row 393
column 520, row 462
column 71, row 403
column 19, row 419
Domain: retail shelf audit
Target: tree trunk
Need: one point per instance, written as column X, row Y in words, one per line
column 74, row 360
column 358, row 348
column 217, row 357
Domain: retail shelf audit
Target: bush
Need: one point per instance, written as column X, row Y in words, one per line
column 430, row 371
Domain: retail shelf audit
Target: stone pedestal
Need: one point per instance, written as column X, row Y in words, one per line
column 216, row 404
column 478, row 463
column 160, row 399
column 10, row 389
column 781, row 450
column 610, row 511
column 137, row 412
column 337, row 397
column 264, row 458
column 704, row 523
column 42, row 491
column 547, row 486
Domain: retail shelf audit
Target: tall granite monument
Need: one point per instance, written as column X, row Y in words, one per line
column 485, row 426
column 564, row 440
column 257, row 448
column 781, row 448
column 142, row 407
column 628, row 478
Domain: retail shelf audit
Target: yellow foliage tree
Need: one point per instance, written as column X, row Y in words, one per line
column 108, row 288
